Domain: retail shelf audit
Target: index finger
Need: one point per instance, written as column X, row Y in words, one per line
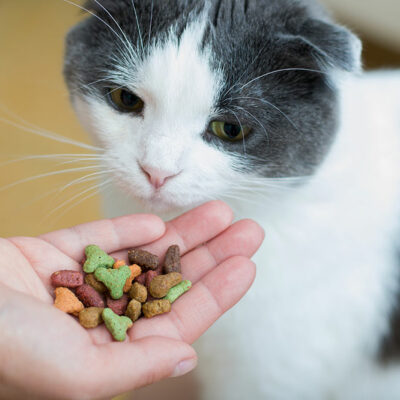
column 110, row 235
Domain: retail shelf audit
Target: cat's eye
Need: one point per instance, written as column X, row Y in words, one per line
column 230, row 132
column 126, row 101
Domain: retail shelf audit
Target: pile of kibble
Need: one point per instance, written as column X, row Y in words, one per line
column 117, row 294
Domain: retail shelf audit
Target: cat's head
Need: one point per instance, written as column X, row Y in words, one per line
column 191, row 98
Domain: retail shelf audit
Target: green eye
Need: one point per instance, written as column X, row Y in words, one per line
column 126, row 101
column 227, row 131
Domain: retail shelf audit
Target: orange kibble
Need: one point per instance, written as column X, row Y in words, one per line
column 119, row 263
column 67, row 301
column 135, row 271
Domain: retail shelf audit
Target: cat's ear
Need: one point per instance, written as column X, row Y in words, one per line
column 331, row 46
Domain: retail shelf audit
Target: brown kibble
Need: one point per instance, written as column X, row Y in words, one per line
column 119, row 263
column 161, row 284
column 156, row 307
column 150, row 275
column 67, row 301
column 67, row 278
column 91, row 317
column 143, row 258
column 138, row 292
column 133, row 310
column 95, row 284
column 89, row 296
column 118, row 306
column 172, row 261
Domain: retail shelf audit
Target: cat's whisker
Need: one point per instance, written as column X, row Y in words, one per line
column 71, row 199
column 51, row 157
column 282, row 70
column 138, row 26
column 58, row 190
column 241, row 128
column 273, row 106
column 52, row 173
column 50, row 135
column 127, row 44
column 97, row 188
column 151, row 23
column 83, row 179
column 256, row 119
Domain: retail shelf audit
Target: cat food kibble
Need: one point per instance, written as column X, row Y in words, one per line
column 95, row 284
column 95, row 258
column 118, row 294
column 117, row 325
column 118, row 306
column 91, row 317
column 143, row 258
column 133, row 310
column 141, row 278
column 114, row 279
column 172, row 261
column 67, row 301
column 135, row 271
column 89, row 296
column 156, row 307
column 161, row 284
column 177, row 291
column 149, row 277
column 68, row 279
column 138, row 292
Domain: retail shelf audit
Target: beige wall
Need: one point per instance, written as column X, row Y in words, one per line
column 31, row 85
column 377, row 19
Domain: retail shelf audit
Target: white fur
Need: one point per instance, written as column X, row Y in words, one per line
column 327, row 273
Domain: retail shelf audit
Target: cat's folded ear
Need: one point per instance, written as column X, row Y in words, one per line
column 330, row 46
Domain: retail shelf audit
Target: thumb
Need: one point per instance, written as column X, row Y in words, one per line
column 127, row 366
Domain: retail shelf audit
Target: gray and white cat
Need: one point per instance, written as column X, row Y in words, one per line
column 260, row 103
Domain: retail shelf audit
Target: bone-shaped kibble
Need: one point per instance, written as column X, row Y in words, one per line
column 96, row 258
column 135, row 271
column 114, row 279
column 116, row 325
column 177, row 291
column 67, row 301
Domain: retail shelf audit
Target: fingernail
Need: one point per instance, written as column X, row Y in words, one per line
column 184, row 367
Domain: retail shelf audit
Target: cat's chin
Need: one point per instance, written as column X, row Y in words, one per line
column 166, row 204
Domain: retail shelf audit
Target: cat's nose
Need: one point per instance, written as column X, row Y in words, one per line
column 157, row 177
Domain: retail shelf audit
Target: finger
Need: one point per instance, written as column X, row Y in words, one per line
column 109, row 234
column 44, row 258
column 192, row 228
column 127, row 366
column 200, row 307
column 241, row 239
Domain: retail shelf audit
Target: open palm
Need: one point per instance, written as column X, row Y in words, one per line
column 47, row 354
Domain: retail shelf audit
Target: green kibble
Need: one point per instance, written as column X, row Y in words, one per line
column 96, row 258
column 114, row 279
column 177, row 291
column 115, row 324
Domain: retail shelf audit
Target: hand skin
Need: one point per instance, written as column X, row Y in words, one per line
column 46, row 354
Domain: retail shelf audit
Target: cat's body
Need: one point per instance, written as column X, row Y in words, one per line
column 314, row 323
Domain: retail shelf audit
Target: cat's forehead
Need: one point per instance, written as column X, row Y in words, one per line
column 176, row 76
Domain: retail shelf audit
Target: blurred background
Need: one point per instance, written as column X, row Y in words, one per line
column 33, row 98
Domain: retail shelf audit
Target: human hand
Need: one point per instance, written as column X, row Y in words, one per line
column 45, row 353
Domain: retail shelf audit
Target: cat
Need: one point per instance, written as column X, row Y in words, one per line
column 263, row 104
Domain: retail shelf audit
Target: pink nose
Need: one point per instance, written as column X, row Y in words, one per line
column 157, row 177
